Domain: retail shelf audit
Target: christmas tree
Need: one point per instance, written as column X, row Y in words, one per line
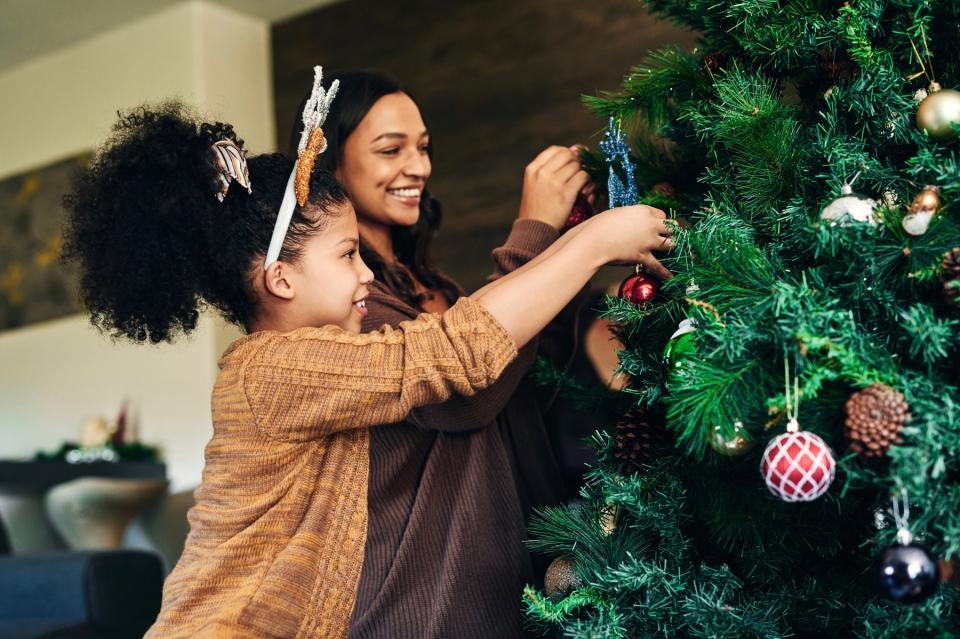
column 794, row 412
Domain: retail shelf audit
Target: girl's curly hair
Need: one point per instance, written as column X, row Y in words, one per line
column 154, row 245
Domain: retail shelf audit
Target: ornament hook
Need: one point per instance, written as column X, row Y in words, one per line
column 847, row 188
column 793, row 406
column 901, row 516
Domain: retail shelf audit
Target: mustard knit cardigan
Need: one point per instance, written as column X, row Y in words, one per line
column 277, row 535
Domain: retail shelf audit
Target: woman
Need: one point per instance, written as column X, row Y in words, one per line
column 450, row 488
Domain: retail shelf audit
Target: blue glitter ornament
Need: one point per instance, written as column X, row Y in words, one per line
column 615, row 150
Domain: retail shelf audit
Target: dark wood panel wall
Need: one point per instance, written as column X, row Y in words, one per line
column 497, row 80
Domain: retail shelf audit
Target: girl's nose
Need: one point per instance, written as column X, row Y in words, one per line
column 366, row 275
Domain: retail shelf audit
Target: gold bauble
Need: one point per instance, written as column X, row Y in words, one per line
column 938, row 111
column 561, row 578
column 733, row 443
column 922, row 210
column 928, row 200
column 608, row 519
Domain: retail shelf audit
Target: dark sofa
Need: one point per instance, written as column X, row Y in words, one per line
column 78, row 595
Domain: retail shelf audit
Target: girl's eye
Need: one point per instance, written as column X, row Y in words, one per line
column 424, row 148
column 349, row 254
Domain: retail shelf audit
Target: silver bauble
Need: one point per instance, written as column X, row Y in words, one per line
column 850, row 207
column 916, row 223
column 938, row 111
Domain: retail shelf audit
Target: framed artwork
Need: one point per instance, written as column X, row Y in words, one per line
column 35, row 285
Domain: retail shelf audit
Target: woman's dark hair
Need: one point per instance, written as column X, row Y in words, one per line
column 359, row 91
column 154, row 245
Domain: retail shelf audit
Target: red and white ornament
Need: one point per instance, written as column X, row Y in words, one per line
column 798, row 465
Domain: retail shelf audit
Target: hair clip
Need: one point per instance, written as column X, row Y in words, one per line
column 231, row 165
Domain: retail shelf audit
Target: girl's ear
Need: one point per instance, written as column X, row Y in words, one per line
column 276, row 279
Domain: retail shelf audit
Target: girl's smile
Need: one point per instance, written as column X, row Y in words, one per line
column 360, row 306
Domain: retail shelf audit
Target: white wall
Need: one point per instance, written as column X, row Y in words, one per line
column 54, row 374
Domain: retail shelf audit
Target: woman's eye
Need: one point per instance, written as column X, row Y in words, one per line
column 424, row 148
column 391, row 151
column 349, row 254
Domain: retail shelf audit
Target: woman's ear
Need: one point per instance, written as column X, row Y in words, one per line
column 277, row 281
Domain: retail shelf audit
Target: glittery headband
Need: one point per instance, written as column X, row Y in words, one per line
column 231, row 165
column 312, row 143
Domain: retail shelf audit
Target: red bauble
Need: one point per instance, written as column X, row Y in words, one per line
column 640, row 288
column 798, row 466
column 582, row 210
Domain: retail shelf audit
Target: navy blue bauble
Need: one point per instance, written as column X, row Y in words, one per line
column 907, row 573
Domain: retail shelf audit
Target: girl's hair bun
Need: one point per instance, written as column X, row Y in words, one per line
column 141, row 218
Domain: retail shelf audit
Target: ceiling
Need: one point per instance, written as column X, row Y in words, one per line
column 30, row 28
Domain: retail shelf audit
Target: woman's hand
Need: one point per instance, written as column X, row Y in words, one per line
column 631, row 234
column 551, row 183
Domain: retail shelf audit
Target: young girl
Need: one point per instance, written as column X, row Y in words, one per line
column 456, row 479
column 278, row 532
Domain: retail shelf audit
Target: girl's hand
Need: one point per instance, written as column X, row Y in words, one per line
column 551, row 183
column 631, row 234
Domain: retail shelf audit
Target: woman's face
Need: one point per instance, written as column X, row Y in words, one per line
column 385, row 164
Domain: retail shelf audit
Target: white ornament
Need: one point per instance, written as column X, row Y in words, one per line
column 850, row 207
column 917, row 223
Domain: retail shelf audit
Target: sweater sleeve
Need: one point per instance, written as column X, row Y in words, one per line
column 527, row 239
column 311, row 383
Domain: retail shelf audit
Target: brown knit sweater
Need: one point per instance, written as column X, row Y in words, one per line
column 278, row 532
column 450, row 491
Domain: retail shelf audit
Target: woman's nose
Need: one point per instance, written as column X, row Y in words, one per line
column 418, row 165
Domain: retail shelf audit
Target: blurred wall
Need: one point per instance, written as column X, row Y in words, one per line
column 497, row 80
column 54, row 374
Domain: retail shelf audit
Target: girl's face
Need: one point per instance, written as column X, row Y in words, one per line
column 330, row 280
column 385, row 164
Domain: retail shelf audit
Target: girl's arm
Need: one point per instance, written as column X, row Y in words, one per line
column 310, row 383
column 526, row 299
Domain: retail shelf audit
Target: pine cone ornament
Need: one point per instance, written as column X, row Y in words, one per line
column 561, row 578
column 951, row 276
column 637, row 437
column 875, row 416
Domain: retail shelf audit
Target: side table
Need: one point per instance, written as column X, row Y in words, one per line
column 23, row 485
